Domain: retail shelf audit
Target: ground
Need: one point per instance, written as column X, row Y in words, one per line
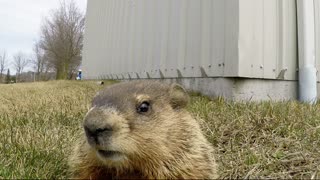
column 40, row 121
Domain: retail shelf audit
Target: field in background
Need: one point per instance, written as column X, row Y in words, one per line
column 40, row 121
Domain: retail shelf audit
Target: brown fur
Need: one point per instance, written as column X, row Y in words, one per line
column 164, row 143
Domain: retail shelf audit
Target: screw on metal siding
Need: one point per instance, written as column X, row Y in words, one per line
column 261, row 67
column 274, row 70
column 222, row 64
column 184, row 68
column 209, row 66
column 192, row 67
column 219, row 65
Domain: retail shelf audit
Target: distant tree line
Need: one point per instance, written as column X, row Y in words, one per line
column 58, row 52
column 3, row 64
column 5, row 76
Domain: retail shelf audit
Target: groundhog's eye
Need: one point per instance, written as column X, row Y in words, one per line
column 143, row 107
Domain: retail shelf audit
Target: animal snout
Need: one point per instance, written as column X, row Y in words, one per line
column 100, row 125
column 94, row 133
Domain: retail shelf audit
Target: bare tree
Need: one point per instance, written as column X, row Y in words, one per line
column 39, row 61
column 3, row 64
column 8, row 78
column 62, row 38
column 20, row 62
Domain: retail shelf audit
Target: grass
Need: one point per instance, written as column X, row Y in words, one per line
column 262, row 140
column 40, row 121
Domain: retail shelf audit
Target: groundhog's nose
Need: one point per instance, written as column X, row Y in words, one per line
column 93, row 133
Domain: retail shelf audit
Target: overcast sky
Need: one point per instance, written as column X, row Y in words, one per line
column 20, row 22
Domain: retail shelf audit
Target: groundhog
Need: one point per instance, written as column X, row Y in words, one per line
column 141, row 130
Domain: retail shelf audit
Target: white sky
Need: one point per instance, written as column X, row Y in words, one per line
column 20, row 23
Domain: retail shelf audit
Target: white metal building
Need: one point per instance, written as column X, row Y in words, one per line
column 241, row 49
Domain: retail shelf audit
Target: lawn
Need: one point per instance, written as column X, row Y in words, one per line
column 40, row 121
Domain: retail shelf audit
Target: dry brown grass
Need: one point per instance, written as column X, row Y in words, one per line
column 262, row 140
column 39, row 121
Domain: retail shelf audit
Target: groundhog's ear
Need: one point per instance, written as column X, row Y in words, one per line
column 179, row 96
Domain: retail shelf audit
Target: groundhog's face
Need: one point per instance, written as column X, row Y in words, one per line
column 129, row 120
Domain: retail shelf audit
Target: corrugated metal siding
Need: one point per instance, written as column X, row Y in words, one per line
column 268, row 39
column 143, row 38
column 317, row 31
column 189, row 38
